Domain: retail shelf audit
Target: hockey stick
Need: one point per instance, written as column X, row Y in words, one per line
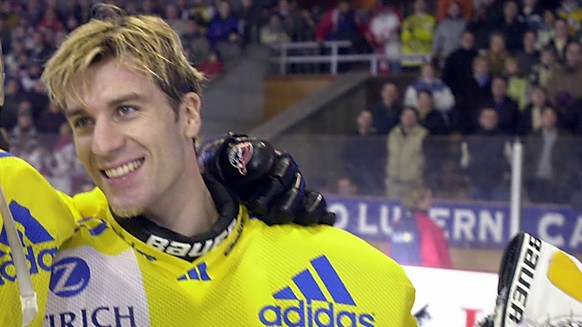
column 27, row 293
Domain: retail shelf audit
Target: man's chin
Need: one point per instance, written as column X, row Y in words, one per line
column 126, row 212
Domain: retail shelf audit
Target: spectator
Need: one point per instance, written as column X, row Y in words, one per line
column 386, row 112
column 274, row 32
column 250, row 16
column 346, row 187
column 50, row 21
column 457, row 69
column 571, row 12
column 384, row 27
column 564, row 83
column 547, row 161
column 448, row 33
column 212, row 66
column 50, row 120
column 417, row 35
column 480, row 27
column 507, row 109
column 427, row 81
column 531, row 14
column 546, row 29
column 510, row 27
column 195, row 43
column 484, row 159
column 222, row 25
column 405, row 164
column 517, row 83
column 416, row 239
column 531, row 118
column 340, row 24
column 496, row 54
column 477, row 90
column 465, row 6
column 528, row 56
column 13, row 96
column 541, row 71
column 231, row 49
column 561, row 39
column 364, row 156
column 24, row 137
column 202, row 11
column 172, row 17
column 437, row 122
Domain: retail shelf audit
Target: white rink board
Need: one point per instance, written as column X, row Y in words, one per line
column 455, row 298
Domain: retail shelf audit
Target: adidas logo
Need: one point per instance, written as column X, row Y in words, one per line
column 314, row 308
column 31, row 232
column 197, row 273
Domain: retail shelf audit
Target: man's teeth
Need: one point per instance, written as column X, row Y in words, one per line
column 123, row 170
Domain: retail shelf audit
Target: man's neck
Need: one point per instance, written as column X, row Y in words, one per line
column 190, row 211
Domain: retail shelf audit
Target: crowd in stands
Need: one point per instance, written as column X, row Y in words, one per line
column 498, row 71
column 488, row 71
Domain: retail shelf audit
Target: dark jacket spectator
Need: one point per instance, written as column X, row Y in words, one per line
column 386, row 112
column 222, row 24
column 457, row 69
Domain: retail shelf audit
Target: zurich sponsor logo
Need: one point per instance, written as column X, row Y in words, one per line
column 70, row 276
column 314, row 309
column 31, row 232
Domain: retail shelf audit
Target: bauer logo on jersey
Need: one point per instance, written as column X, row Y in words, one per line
column 321, row 299
column 31, row 233
column 240, row 155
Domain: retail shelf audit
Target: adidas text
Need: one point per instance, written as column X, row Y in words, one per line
column 311, row 315
column 41, row 260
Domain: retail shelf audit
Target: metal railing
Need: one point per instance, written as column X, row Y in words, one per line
column 283, row 59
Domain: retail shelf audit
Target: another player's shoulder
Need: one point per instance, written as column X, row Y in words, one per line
column 92, row 203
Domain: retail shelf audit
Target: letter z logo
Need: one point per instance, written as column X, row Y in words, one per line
column 69, row 277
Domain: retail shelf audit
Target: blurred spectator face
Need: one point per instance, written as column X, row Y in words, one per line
column 529, row 3
column 427, row 72
column 549, row 17
column 408, row 118
column 426, row 202
column 467, row 40
column 11, row 87
column 419, row 6
column 561, row 28
column 488, row 119
column 574, row 54
column 538, row 97
column 510, row 10
column 346, row 187
column 389, row 93
column 480, row 67
column 364, row 120
column 496, row 43
column 171, row 12
column 223, row 9
column 52, row 107
column 529, row 40
column 499, row 88
column 344, row 7
column 454, row 10
column 424, row 101
column 511, row 67
column 191, row 27
column 25, row 115
column 548, row 57
column 549, row 118
column 275, row 21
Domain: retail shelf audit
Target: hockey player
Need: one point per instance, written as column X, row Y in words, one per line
column 160, row 243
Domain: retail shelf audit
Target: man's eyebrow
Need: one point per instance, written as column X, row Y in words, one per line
column 111, row 103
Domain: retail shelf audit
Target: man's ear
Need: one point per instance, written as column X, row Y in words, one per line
column 190, row 111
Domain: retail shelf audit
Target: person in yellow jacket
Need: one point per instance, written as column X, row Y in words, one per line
column 416, row 36
column 158, row 242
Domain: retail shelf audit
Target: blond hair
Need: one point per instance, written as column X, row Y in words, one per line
column 414, row 195
column 147, row 43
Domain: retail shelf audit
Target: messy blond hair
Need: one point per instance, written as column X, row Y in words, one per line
column 147, row 43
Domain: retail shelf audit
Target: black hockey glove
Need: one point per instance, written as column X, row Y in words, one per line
column 267, row 180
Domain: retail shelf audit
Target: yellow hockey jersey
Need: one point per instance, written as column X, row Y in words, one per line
column 88, row 270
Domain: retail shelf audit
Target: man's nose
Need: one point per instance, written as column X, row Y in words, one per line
column 107, row 138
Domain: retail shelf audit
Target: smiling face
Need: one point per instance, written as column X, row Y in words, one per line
column 136, row 149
